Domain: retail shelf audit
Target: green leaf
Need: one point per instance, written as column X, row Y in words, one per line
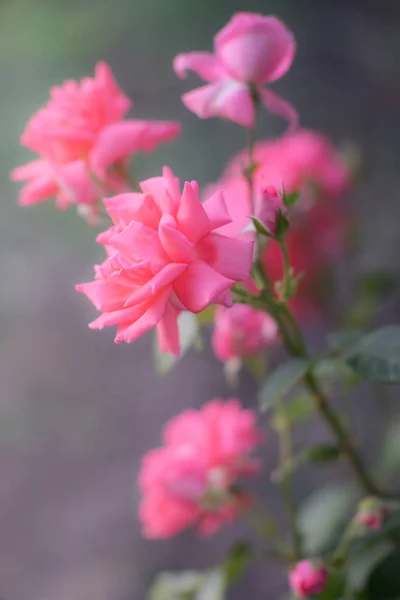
column 175, row 586
column 384, row 581
column 322, row 453
column 260, row 227
column 341, row 341
column 298, row 409
column 333, row 372
column 389, row 456
column 282, row 225
column 188, row 331
column 361, row 565
column 213, row 586
column 282, row 381
column 290, row 200
column 323, row 515
column 237, row 562
column 189, row 585
column 256, row 364
column 376, row 357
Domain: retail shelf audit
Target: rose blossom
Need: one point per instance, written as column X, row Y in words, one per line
column 308, row 579
column 192, row 480
column 241, row 331
column 371, row 513
column 164, row 256
column 81, row 131
column 250, row 51
column 269, row 207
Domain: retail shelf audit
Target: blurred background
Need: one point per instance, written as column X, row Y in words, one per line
column 76, row 411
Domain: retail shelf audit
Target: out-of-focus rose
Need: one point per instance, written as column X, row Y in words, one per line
column 192, row 480
column 250, row 51
column 80, row 135
column 241, row 331
column 308, row 579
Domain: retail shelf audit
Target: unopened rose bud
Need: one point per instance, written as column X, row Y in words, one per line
column 269, row 207
column 308, row 578
column 371, row 514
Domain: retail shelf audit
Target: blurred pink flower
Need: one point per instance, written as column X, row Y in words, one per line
column 164, row 257
column 250, row 51
column 192, row 480
column 306, row 162
column 269, row 207
column 241, row 331
column 81, row 125
column 308, row 579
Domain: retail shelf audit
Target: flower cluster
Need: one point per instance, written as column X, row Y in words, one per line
column 84, row 143
column 164, row 256
column 193, row 479
column 254, row 244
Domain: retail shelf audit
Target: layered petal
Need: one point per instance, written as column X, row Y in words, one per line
column 204, row 64
column 226, row 99
column 120, row 140
column 200, row 285
column 255, row 48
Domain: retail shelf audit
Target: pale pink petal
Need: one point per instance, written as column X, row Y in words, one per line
column 155, row 285
column 140, row 243
column 107, row 295
column 255, row 48
column 38, row 190
column 227, row 99
column 147, row 321
column 204, row 64
column 174, row 242
column 232, row 257
column 133, row 206
column 168, row 332
column 123, row 317
column 278, row 106
column 159, row 188
column 29, row 170
column 191, row 216
column 216, row 210
column 118, row 141
column 199, row 285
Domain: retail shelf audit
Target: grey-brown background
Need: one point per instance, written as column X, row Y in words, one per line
column 76, row 411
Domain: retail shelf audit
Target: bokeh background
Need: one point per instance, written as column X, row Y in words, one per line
column 76, row 411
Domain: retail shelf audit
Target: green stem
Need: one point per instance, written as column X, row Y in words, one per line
column 285, row 455
column 286, row 268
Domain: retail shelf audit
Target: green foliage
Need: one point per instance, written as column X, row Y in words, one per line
column 341, row 341
column 323, row 514
column 298, row 409
column 282, row 381
column 322, row 453
column 362, row 564
column 260, row 227
column 376, row 357
column 389, row 456
column 208, row 585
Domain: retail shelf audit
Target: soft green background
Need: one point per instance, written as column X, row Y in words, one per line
column 77, row 412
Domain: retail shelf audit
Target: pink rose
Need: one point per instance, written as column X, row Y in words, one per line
column 164, row 256
column 84, row 143
column 192, row 479
column 269, row 207
column 308, row 579
column 241, row 331
column 250, row 51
